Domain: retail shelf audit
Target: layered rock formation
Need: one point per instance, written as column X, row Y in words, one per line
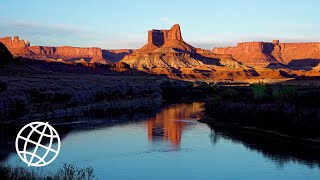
column 166, row 41
column 264, row 53
column 16, row 46
column 68, row 53
column 166, row 52
column 21, row 48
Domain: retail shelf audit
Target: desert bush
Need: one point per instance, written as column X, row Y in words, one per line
column 230, row 93
column 284, row 94
column 60, row 97
column 17, row 173
column 260, row 91
column 212, row 102
column 72, row 172
column 67, row 172
column 3, row 86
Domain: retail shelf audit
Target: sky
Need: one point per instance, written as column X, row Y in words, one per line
column 115, row 24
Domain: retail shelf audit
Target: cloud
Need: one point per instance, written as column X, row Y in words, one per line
column 54, row 34
column 167, row 20
column 39, row 27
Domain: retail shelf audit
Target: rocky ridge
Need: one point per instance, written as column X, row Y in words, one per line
column 261, row 54
column 21, row 48
column 166, row 52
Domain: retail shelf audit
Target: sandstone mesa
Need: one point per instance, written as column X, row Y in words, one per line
column 264, row 53
column 168, row 54
column 21, row 48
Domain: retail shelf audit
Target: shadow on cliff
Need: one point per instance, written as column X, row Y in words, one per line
column 43, row 67
column 303, row 64
column 113, row 56
column 206, row 60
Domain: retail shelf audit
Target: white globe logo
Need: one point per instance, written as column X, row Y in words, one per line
column 35, row 152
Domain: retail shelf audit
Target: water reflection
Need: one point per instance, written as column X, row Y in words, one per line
column 117, row 146
column 278, row 150
column 168, row 125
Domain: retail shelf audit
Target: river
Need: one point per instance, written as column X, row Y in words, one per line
column 172, row 144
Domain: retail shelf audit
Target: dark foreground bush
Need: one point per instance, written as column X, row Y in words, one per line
column 67, row 172
column 3, row 86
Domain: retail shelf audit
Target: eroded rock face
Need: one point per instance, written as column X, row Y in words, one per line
column 66, row 53
column 167, row 53
column 264, row 53
column 175, row 33
column 69, row 53
column 16, row 46
column 166, row 40
column 14, row 43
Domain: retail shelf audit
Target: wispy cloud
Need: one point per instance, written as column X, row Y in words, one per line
column 167, row 20
column 53, row 34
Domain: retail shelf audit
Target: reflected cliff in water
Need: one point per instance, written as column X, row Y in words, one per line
column 168, row 125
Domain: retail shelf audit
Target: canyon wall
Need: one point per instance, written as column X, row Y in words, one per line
column 167, row 53
column 21, row 48
column 16, row 46
column 264, row 53
column 68, row 53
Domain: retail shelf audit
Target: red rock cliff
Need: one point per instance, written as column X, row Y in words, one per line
column 68, row 53
column 166, row 40
column 263, row 53
column 16, row 46
column 21, row 48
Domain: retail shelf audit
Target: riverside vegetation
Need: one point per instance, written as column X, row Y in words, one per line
column 67, row 172
column 279, row 109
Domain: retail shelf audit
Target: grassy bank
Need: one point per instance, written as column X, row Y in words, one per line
column 67, row 172
column 290, row 110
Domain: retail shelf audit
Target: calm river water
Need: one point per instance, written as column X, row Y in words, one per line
column 172, row 144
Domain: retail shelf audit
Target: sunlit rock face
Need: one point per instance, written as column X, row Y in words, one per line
column 167, row 49
column 69, row 53
column 21, row 48
column 166, row 53
column 168, row 125
column 264, row 53
column 16, row 46
column 166, row 41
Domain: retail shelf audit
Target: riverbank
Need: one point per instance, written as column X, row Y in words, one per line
column 277, row 110
column 67, row 171
column 34, row 90
column 46, row 96
column 258, row 132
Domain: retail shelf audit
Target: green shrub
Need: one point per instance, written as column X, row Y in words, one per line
column 230, row 93
column 260, row 91
column 285, row 94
